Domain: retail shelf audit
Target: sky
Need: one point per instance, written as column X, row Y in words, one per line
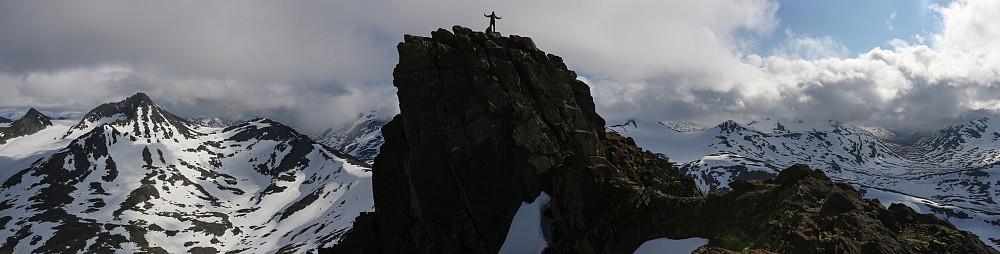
column 907, row 64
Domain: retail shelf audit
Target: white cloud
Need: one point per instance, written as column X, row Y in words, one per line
column 908, row 86
column 969, row 25
column 804, row 46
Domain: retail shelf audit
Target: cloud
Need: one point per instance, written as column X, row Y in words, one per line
column 303, row 61
column 804, row 46
column 317, row 63
column 906, row 86
column 968, row 25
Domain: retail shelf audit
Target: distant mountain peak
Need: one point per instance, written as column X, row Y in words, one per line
column 136, row 108
column 36, row 117
column 32, row 122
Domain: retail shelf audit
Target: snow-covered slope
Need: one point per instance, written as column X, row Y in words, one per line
column 213, row 121
column 968, row 145
column 683, row 126
column 18, row 153
column 361, row 138
column 131, row 177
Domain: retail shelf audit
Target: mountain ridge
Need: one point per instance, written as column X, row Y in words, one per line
column 134, row 179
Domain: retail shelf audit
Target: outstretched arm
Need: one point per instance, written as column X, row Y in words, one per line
column 498, row 17
column 484, row 14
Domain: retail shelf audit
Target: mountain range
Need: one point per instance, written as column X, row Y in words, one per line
column 498, row 148
column 132, row 177
column 952, row 173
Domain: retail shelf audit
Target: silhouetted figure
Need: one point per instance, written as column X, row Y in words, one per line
column 493, row 21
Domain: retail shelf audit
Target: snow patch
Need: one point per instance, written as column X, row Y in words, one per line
column 529, row 231
column 666, row 245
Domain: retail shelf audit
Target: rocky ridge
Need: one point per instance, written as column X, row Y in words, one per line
column 489, row 121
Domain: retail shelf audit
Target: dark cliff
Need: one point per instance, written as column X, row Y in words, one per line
column 489, row 121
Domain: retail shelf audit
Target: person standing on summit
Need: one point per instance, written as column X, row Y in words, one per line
column 493, row 21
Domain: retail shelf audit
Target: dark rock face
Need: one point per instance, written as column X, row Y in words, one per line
column 488, row 122
column 5, row 120
column 32, row 122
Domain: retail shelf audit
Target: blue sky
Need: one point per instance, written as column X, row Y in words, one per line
column 859, row 25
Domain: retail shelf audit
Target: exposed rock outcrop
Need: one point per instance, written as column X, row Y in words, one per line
column 803, row 211
column 32, row 122
column 489, row 121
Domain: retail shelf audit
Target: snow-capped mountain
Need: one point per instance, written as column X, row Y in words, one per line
column 361, row 138
column 970, row 145
column 953, row 174
column 30, row 123
column 131, row 177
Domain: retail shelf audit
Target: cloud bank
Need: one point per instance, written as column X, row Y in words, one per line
column 317, row 63
column 920, row 86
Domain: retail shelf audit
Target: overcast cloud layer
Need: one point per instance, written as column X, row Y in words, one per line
column 317, row 63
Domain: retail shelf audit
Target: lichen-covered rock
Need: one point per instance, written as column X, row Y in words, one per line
column 488, row 121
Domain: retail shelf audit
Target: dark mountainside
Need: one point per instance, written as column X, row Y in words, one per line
column 32, row 121
column 488, row 122
column 5, row 120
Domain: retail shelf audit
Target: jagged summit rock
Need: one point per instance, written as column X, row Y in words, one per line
column 488, row 122
column 32, row 122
